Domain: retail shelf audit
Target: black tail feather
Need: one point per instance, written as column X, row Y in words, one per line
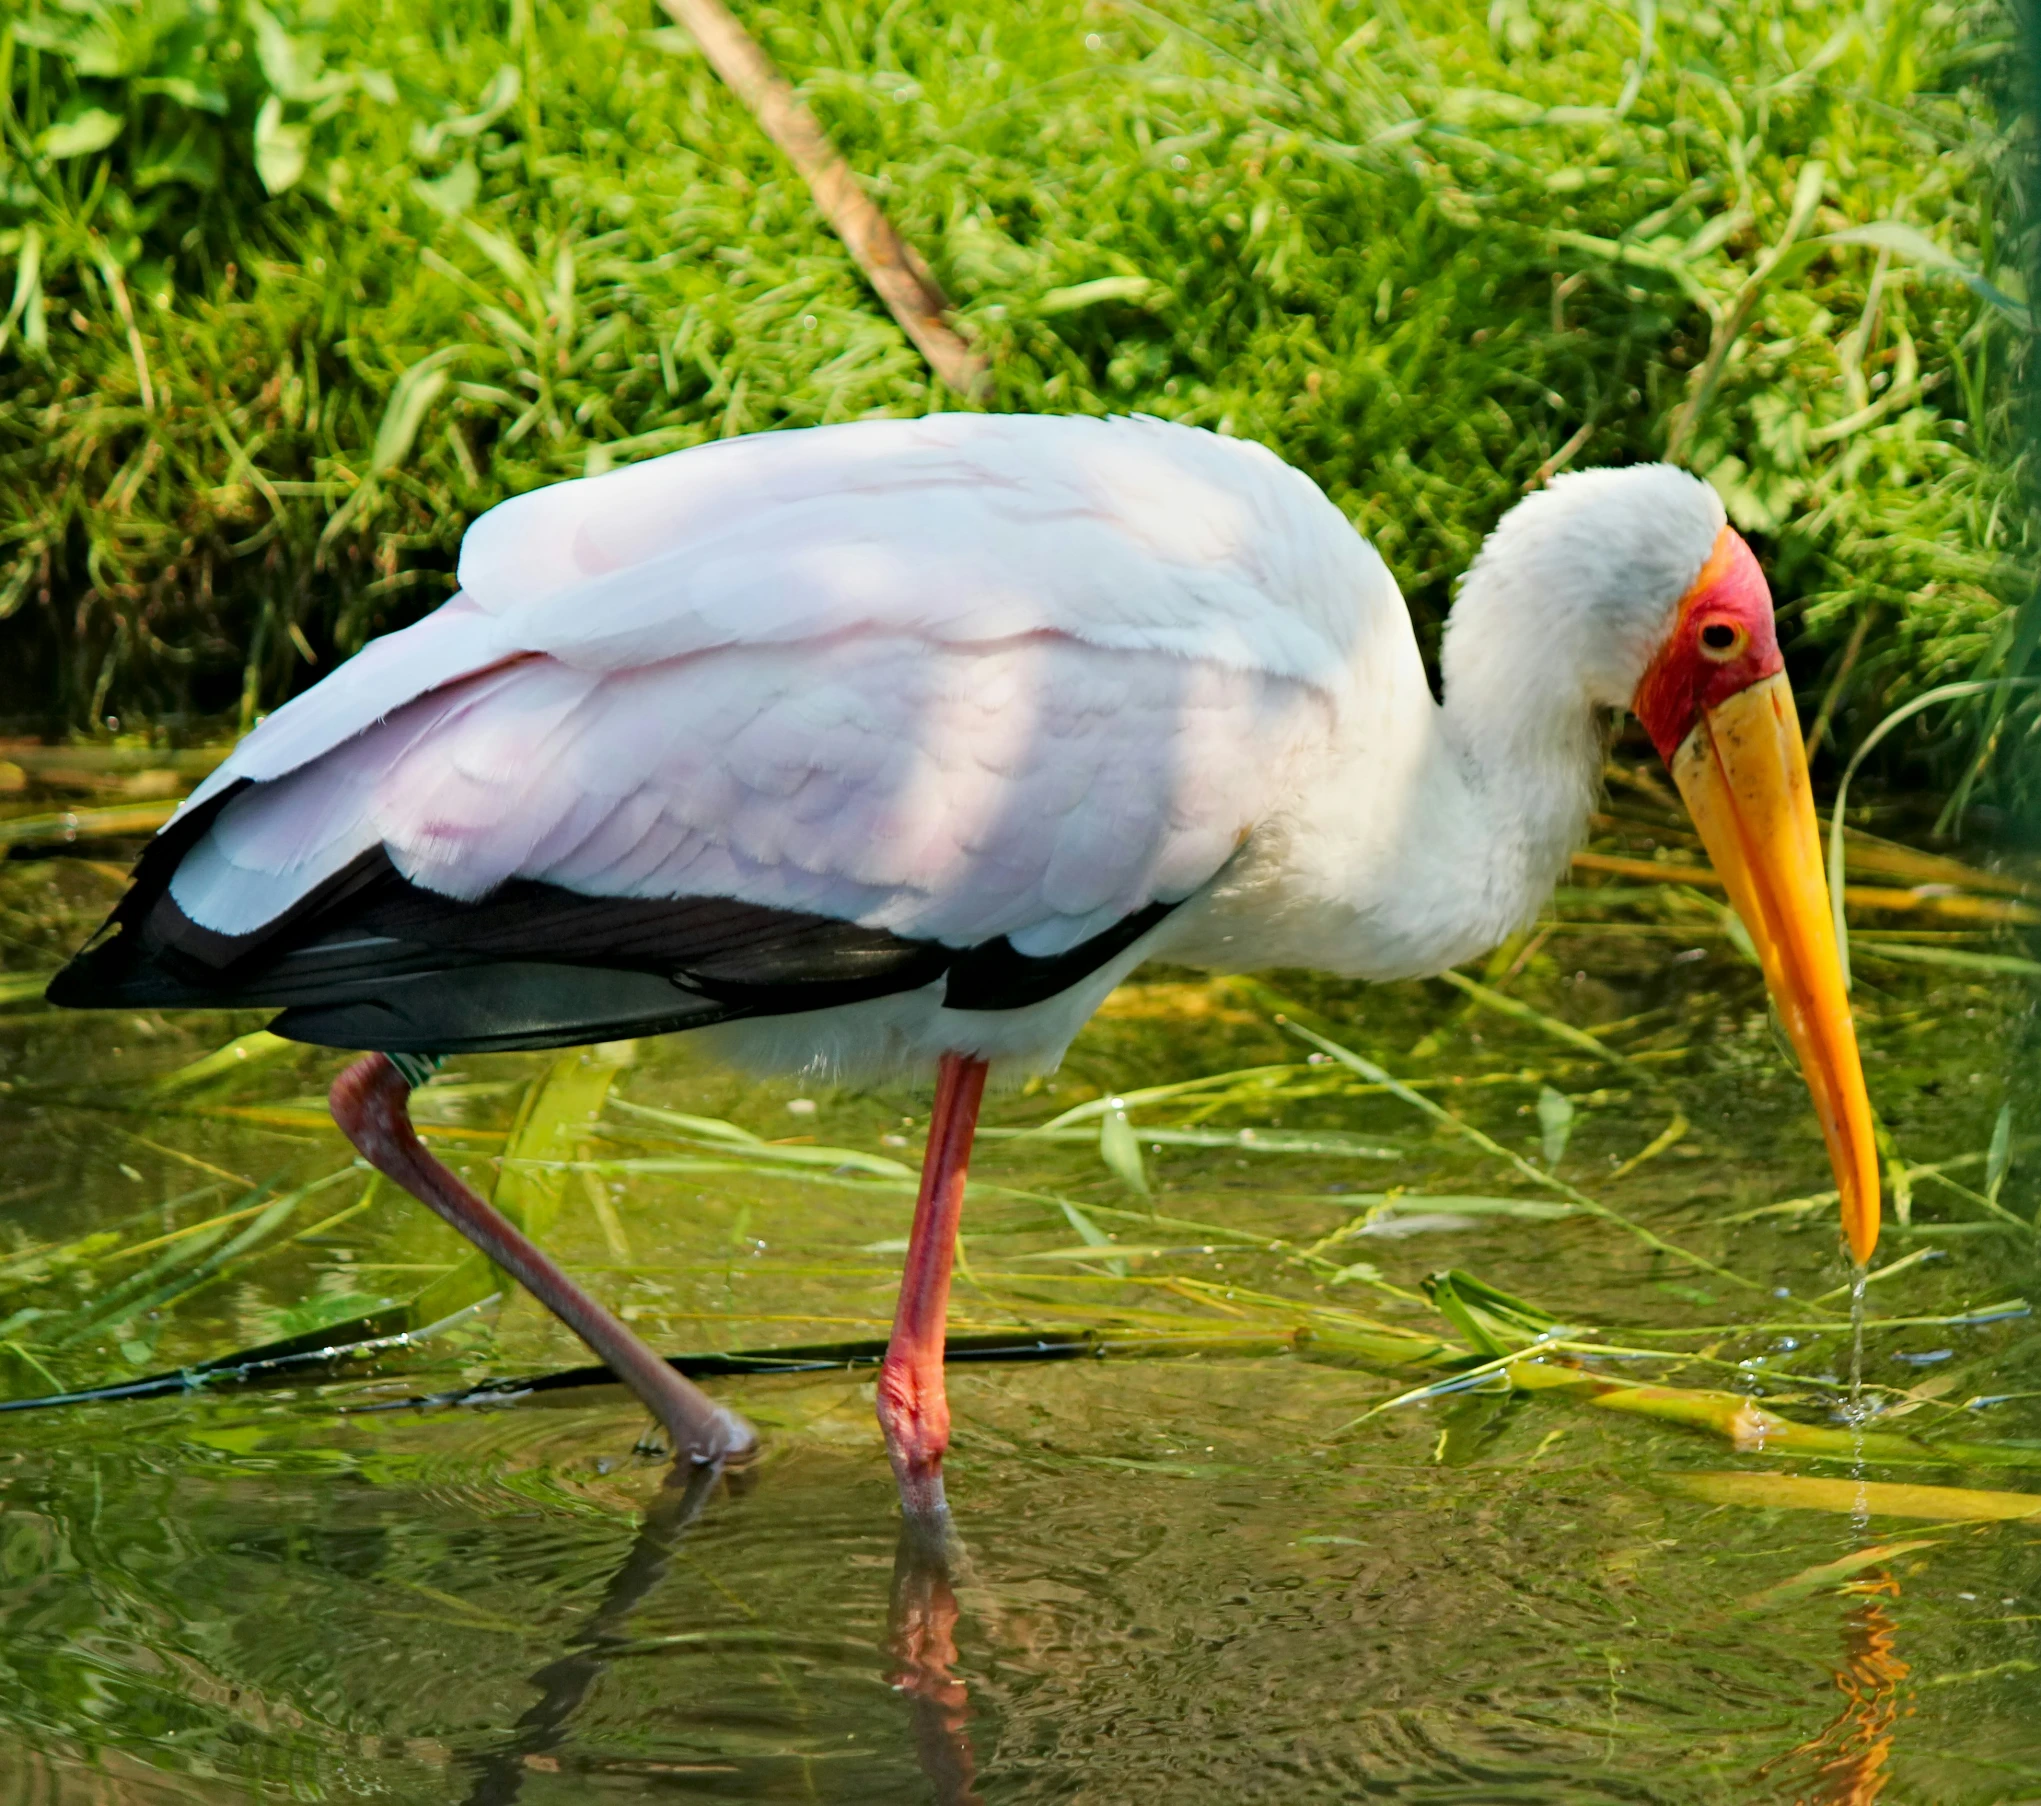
column 367, row 959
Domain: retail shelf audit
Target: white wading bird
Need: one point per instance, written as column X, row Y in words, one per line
column 890, row 746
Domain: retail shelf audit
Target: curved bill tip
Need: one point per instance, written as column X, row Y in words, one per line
column 1743, row 773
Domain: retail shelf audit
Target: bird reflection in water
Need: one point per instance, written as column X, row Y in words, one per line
column 921, row 1646
column 563, row 1684
column 1852, row 1752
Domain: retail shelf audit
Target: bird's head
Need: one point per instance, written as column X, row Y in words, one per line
column 1717, row 705
column 1668, row 613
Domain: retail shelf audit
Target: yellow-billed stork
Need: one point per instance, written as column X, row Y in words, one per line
column 894, row 746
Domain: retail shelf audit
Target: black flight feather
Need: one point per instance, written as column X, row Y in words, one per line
column 368, row 959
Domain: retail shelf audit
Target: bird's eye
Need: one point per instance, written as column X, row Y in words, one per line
column 1722, row 639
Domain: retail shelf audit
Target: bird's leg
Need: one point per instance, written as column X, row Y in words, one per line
column 369, row 1102
column 913, row 1409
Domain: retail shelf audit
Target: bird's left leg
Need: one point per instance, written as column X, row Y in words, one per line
column 914, row 1411
column 370, row 1103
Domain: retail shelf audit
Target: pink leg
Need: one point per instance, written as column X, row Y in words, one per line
column 913, row 1409
column 369, row 1104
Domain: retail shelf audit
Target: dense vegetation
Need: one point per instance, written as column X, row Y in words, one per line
column 294, row 295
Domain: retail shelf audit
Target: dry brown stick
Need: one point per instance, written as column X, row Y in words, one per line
column 905, row 283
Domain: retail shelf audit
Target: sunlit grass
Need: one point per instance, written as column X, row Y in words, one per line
column 1428, row 254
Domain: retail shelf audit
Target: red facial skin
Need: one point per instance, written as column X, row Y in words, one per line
column 1689, row 674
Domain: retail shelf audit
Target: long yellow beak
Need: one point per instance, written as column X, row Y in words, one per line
column 1743, row 772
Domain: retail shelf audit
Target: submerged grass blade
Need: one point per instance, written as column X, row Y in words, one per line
column 1219, row 1233
column 1825, row 1575
column 239, row 1055
column 1120, row 1150
column 183, row 1271
column 1324, row 1143
column 700, row 1128
column 1369, row 1070
column 1958, row 959
column 1754, row 1430
column 1490, row 999
column 1261, row 1078
column 1093, row 1237
column 1858, row 1498
column 731, row 1142
column 558, row 1114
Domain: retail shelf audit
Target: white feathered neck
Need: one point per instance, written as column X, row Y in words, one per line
column 1420, row 834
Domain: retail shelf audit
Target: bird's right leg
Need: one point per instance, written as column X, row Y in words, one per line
column 370, row 1103
column 914, row 1409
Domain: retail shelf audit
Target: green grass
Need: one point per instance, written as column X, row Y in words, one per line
column 1423, row 252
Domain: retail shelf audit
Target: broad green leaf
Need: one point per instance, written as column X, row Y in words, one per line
column 280, row 149
column 454, row 193
column 197, row 93
column 498, row 98
column 193, row 159
column 1495, row 1322
column 1120, row 1149
column 290, row 62
column 80, row 131
column 26, row 309
column 1555, row 1123
column 410, row 401
column 95, row 45
column 2000, row 1157
column 502, row 253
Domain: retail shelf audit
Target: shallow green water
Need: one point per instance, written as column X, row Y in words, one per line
column 1188, row 1573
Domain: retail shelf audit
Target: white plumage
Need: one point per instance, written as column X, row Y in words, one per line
column 976, row 676
column 895, row 746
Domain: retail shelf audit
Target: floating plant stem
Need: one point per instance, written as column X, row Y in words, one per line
column 1874, row 1498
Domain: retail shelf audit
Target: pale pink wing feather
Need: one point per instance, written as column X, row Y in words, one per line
column 1041, row 790
column 956, row 677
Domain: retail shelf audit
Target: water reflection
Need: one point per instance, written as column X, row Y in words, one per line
column 920, row 1652
column 1851, row 1755
column 922, row 1645
column 563, row 1684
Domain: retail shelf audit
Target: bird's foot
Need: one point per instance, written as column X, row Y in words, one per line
column 731, row 1443
column 726, row 1442
column 914, row 1413
column 923, row 1504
